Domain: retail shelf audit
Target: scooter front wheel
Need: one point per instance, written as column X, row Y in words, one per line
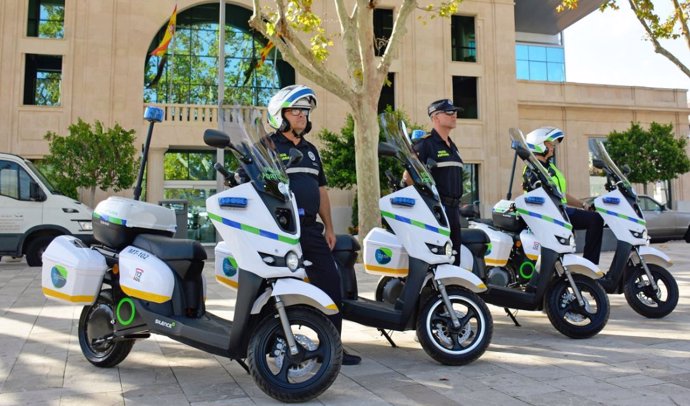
column 566, row 314
column 297, row 377
column 642, row 297
column 95, row 333
column 447, row 344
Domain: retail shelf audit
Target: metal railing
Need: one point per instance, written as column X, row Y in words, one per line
column 197, row 113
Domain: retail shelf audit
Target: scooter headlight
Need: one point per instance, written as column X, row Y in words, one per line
column 292, row 261
column 85, row 225
column 448, row 248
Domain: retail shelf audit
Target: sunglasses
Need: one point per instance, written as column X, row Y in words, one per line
column 297, row 112
column 447, row 112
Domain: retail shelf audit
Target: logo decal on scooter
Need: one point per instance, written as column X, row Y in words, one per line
column 164, row 323
column 229, row 266
column 489, row 246
column 58, row 275
column 383, row 255
column 137, row 274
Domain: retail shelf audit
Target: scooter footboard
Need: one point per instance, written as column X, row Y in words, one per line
column 455, row 275
column 654, row 256
column 294, row 292
column 583, row 266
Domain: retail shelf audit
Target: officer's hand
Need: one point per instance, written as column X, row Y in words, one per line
column 330, row 239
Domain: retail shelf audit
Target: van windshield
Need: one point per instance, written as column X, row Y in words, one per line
column 41, row 177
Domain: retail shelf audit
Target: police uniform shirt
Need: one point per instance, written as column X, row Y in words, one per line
column 448, row 171
column 306, row 176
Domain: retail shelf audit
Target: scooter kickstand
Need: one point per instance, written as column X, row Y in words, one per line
column 243, row 365
column 388, row 337
column 512, row 317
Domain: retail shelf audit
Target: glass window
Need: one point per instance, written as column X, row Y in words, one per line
column 46, row 19
column 536, row 62
column 15, row 182
column 387, row 97
column 537, row 70
column 188, row 73
column 42, row 79
column 463, row 42
column 383, row 28
column 465, row 96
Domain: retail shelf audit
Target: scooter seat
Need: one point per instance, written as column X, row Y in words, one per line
column 471, row 236
column 169, row 249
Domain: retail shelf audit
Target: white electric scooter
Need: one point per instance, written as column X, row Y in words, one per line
column 638, row 270
column 563, row 284
column 142, row 281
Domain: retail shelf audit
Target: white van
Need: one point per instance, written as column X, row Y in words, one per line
column 32, row 212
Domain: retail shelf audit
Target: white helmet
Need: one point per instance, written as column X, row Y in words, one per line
column 535, row 139
column 294, row 96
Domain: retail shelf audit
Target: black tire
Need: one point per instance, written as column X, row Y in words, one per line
column 565, row 312
column 448, row 345
column 643, row 299
column 301, row 377
column 95, row 326
column 378, row 295
column 35, row 248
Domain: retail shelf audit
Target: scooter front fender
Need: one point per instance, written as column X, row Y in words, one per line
column 455, row 275
column 583, row 266
column 293, row 292
column 654, row 256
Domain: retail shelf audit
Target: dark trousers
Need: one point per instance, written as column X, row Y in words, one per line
column 453, row 214
column 594, row 224
column 322, row 273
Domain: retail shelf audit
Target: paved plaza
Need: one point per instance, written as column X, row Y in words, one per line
column 633, row 361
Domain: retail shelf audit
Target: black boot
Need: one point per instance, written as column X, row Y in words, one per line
column 350, row 359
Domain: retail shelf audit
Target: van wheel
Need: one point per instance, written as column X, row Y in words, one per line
column 35, row 249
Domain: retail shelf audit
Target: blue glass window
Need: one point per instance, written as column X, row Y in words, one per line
column 538, row 62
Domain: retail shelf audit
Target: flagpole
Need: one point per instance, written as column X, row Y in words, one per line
column 220, row 154
column 171, row 71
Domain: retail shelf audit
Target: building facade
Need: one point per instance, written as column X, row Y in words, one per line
column 67, row 59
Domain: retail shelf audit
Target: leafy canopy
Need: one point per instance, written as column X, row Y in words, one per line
column 653, row 155
column 91, row 156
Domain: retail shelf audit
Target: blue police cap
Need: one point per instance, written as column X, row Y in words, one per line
column 442, row 105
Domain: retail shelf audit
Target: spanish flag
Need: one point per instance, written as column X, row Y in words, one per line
column 264, row 53
column 163, row 46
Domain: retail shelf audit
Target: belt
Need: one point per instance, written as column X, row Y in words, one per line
column 450, row 201
column 307, row 220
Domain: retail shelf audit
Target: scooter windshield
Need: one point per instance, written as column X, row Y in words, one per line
column 520, row 145
column 395, row 133
column 603, row 155
column 256, row 153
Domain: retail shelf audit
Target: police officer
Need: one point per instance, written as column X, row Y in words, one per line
column 288, row 113
column 447, row 172
column 542, row 142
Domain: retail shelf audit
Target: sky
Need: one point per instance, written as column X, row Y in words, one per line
column 610, row 48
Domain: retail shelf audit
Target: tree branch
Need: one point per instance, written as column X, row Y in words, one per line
column 399, row 30
column 292, row 48
column 349, row 30
column 658, row 48
column 683, row 20
column 365, row 39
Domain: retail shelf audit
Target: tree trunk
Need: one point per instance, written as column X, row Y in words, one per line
column 367, row 166
column 92, row 196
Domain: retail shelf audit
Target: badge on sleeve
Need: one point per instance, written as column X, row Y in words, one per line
column 311, row 156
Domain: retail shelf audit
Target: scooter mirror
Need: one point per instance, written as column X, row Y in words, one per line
column 295, row 156
column 523, row 153
column 386, row 149
column 430, row 163
column 598, row 163
column 626, row 169
column 216, row 139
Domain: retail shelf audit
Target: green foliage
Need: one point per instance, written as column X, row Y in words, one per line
column 652, row 155
column 54, row 26
column 338, row 157
column 91, row 156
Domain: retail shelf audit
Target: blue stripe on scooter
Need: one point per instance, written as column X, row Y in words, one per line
column 623, row 216
column 416, row 223
column 565, row 225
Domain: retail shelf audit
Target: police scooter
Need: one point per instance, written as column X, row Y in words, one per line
column 141, row 281
column 563, row 284
column 638, row 270
column 439, row 300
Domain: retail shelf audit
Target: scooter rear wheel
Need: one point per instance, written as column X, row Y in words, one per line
column 644, row 299
column 568, row 316
column 95, row 333
column 305, row 375
column 446, row 344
